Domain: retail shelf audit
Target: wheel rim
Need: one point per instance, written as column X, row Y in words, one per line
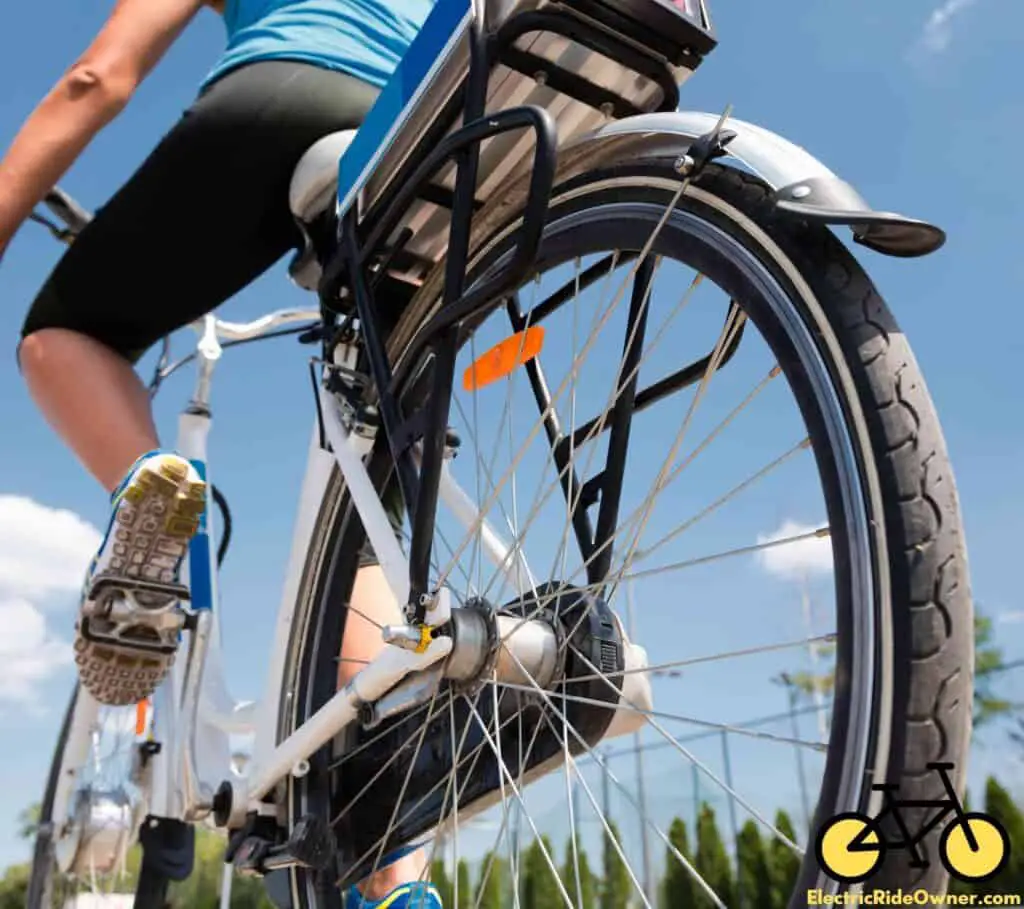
column 860, row 737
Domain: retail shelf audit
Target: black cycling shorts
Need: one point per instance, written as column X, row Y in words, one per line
column 206, row 213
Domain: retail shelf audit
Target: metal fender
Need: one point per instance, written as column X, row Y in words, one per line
column 803, row 186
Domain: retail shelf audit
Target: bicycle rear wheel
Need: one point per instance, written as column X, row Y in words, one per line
column 875, row 530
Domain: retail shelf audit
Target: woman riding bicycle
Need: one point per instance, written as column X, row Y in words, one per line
column 214, row 195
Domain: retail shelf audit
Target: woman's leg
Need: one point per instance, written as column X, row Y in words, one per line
column 93, row 399
column 373, row 602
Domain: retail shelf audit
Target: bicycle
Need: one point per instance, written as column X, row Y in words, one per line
column 974, row 847
column 523, row 156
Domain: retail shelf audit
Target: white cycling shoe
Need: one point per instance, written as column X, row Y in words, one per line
column 131, row 618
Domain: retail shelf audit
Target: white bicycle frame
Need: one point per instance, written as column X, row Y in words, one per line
column 193, row 716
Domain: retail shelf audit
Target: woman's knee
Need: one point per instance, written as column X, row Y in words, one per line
column 42, row 351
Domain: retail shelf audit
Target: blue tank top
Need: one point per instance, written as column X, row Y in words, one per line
column 364, row 38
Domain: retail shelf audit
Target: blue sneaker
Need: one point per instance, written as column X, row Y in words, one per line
column 418, row 895
column 128, row 628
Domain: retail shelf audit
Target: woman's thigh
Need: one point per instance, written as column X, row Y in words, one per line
column 205, row 214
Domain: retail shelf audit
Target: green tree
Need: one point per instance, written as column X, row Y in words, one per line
column 678, row 887
column 753, row 881
column 464, row 897
column 14, row 887
column 586, row 896
column 988, row 661
column 783, row 862
column 540, row 882
column 1001, row 806
column 616, row 887
column 28, row 821
column 712, row 861
column 492, row 888
column 440, row 879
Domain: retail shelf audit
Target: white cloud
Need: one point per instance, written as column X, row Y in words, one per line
column 1011, row 618
column 805, row 554
column 43, row 552
column 29, row 652
column 938, row 30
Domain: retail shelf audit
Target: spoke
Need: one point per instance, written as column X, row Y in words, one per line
column 693, row 721
column 590, row 343
column 405, row 783
column 542, row 495
column 380, row 772
column 754, row 548
column 503, row 770
column 640, row 554
column 606, row 768
column 446, row 782
column 630, row 520
column 601, row 817
column 769, row 468
column 705, row 443
column 692, row 758
column 348, row 756
column 726, row 655
column 733, row 323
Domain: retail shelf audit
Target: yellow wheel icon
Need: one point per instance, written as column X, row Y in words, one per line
column 848, row 848
column 982, row 860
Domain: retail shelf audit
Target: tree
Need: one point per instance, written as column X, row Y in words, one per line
column 540, row 888
column 783, row 862
column 439, row 876
column 28, row 821
column 492, row 888
column 712, row 861
column 678, row 887
column 14, row 887
column 464, row 897
column 616, row 887
column 585, row 896
column 1000, row 805
column 988, row 661
column 753, row 882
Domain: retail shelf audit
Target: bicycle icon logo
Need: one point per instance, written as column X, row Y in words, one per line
column 973, row 847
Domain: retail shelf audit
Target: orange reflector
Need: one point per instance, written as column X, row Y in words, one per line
column 503, row 358
column 140, row 716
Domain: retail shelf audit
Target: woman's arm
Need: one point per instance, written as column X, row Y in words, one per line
column 87, row 97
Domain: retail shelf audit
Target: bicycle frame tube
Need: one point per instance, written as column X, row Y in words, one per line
column 193, row 714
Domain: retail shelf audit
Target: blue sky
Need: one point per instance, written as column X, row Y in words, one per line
column 912, row 102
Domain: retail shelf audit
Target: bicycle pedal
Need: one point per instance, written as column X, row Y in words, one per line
column 312, row 842
column 311, row 845
column 104, row 584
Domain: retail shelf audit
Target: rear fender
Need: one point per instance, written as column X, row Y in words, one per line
column 803, row 186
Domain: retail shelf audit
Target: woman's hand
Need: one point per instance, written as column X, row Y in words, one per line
column 89, row 95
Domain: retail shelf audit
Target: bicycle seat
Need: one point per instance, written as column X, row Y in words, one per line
column 315, row 178
column 312, row 190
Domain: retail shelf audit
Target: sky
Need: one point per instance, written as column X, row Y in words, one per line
column 913, row 103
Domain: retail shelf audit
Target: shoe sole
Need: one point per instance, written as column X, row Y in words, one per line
column 156, row 518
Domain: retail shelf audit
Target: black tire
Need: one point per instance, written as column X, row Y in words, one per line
column 921, row 674
column 40, row 880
